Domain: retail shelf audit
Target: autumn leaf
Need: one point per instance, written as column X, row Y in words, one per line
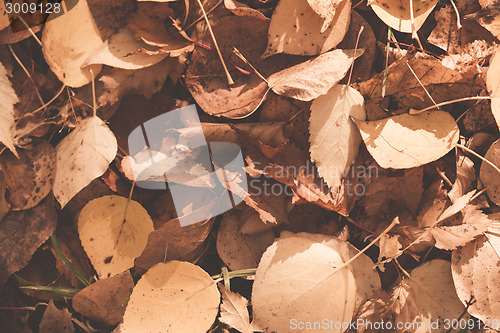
column 234, row 312
column 8, row 99
column 493, row 84
column 489, row 176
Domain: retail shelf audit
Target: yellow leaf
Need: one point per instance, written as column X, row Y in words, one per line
column 172, row 297
column 113, row 232
column 396, row 13
column 67, row 42
column 407, row 141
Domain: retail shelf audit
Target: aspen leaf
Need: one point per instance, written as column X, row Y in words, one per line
column 476, row 274
column 333, row 135
column 4, row 17
column 396, row 13
column 407, row 141
column 55, row 320
column 493, row 85
column 489, row 176
column 7, row 100
column 296, row 29
column 67, row 42
column 314, row 77
column 172, row 297
column 118, row 51
column 113, row 231
column 82, row 156
column 431, row 297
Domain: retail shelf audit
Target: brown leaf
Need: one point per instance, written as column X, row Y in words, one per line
column 55, row 320
column 36, row 164
column 4, row 205
column 237, row 250
column 21, row 233
column 240, row 9
column 105, row 301
column 489, row 176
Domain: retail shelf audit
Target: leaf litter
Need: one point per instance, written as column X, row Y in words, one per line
column 344, row 152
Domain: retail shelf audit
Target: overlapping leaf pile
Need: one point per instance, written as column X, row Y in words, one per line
column 373, row 197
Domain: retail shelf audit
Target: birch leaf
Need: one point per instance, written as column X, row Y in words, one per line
column 7, row 101
column 493, row 85
column 314, row 77
column 113, row 231
column 396, row 13
column 333, row 135
column 81, row 157
column 172, row 297
column 67, row 42
column 296, row 29
column 407, row 141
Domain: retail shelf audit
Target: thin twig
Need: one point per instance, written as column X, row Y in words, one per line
column 93, row 93
column 478, row 156
column 31, row 31
column 465, row 99
column 459, row 25
column 422, row 85
column 354, row 57
column 229, row 78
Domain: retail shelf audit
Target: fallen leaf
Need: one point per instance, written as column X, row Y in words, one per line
column 295, row 28
column 474, row 223
column 432, row 297
column 118, row 51
column 193, row 300
column 241, row 9
column 407, row 141
column 239, row 251
column 4, row 17
column 493, row 84
column 55, row 320
column 488, row 17
column 234, row 312
column 105, row 301
column 397, row 15
column 326, row 9
column 333, row 135
column 21, row 233
column 476, row 270
column 4, row 205
column 466, row 177
column 489, row 176
column 113, row 231
column 82, row 156
column 291, row 278
column 9, row 98
column 314, row 77
column 68, row 40
column 37, row 165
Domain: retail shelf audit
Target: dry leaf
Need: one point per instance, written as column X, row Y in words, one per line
column 241, row 9
column 333, row 135
column 21, row 233
column 4, row 205
column 476, row 273
column 82, row 156
column 118, row 51
column 407, row 141
column 105, row 301
column 489, row 176
column 466, row 177
column 55, row 320
column 180, row 296
column 7, row 101
column 432, row 298
column 488, row 17
column 493, row 84
column 234, row 312
column 36, row 164
column 396, row 13
column 113, row 231
column 293, row 276
column 68, row 40
column 4, row 17
column 326, row 9
column 474, row 224
column 239, row 251
column 314, row 77
column 296, row 29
